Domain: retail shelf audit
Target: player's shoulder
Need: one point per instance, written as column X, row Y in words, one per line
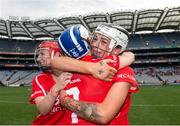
column 126, row 74
column 112, row 57
column 87, row 58
column 116, row 61
column 126, row 70
column 41, row 76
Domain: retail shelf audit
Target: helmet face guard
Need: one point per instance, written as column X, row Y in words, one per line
column 41, row 57
column 117, row 35
column 44, row 53
column 100, row 45
column 73, row 43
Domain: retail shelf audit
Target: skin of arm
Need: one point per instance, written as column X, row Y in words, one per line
column 126, row 59
column 99, row 113
column 45, row 103
column 100, row 70
column 74, row 65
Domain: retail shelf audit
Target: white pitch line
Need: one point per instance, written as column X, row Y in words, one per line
column 163, row 105
column 16, row 102
column 134, row 105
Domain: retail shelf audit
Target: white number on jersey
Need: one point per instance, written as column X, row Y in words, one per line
column 75, row 92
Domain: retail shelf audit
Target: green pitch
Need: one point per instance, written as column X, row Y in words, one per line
column 14, row 106
column 156, row 105
column 153, row 105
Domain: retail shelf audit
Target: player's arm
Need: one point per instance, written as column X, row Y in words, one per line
column 126, row 59
column 100, row 113
column 45, row 103
column 73, row 65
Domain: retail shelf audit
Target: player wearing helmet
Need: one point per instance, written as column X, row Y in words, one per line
column 109, row 39
column 46, row 85
column 45, row 51
column 96, row 101
column 73, row 42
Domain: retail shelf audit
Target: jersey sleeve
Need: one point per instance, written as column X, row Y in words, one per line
column 116, row 64
column 37, row 89
column 127, row 75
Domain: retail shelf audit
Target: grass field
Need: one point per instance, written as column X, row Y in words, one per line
column 153, row 105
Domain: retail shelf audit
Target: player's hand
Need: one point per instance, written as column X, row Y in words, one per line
column 62, row 95
column 103, row 71
column 62, row 80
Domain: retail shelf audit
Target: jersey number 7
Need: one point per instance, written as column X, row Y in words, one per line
column 75, row 93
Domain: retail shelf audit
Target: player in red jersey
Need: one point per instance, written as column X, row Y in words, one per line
column 101, row 102
column 73, row 44
column 46, row 85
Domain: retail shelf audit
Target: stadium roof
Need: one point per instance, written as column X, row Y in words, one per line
column 134, row 21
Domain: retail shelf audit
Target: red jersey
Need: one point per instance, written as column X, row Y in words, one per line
column 41, row 85
column 125, row 75
column 87, row 88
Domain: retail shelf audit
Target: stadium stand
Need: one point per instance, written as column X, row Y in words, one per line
column 158, row 75
column 154, row 38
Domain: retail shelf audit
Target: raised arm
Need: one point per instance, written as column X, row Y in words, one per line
column 99, row 70
column 100, row 113
column 126, row 59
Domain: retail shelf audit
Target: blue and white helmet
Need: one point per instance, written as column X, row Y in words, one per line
column 73, row 43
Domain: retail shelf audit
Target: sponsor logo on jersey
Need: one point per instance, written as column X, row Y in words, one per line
column 129, row 76
column 75, row 81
